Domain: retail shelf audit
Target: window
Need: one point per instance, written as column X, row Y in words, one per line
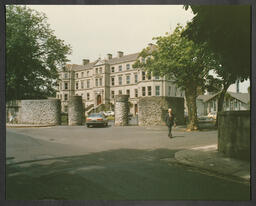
column 120, row 80
column 136, row 92
column 96, row 71
column 82, row 84
column 88, row 83
column 82, row 74
column 112, row 69
column 88, row 73
column 65, row 85
column 112, row 81
column 76, row 85
column 96, row 82
column 65, row 108
column 88, row 96
column 149, row 90
column 65, row 97
column 100, row 81
column 135, row 78
column 143, row 75
column 120, row 92
column 175, row 91
column 157, row 90
column 143, row 91
column 149, row 76
column 100, row 70
column 128, row 92
column 76, row 75
column 112, row 94
column 65, row 75
column 157, row 78
column 127, row 66
column 120, row 68
column 128, row 79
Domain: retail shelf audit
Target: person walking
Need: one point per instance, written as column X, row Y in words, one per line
column 170, row 121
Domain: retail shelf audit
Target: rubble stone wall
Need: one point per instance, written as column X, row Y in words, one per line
column 121, row 110
column 152, row 110
column 234, row 134
column 40, row 112
column 75, row 111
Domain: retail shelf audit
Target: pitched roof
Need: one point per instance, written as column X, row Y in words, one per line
column 205, row 97
column 243, row 97
column 77, row 67
column 126, row 58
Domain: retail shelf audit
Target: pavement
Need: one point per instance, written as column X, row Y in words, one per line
column 205, row 157
column 208, row 158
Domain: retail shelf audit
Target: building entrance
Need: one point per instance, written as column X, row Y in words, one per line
column 98, row 99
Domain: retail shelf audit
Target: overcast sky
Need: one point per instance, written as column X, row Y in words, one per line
column 94, row 31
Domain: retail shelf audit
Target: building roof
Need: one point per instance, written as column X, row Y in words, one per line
column 77, row 67
column 242, row 97
column 125, row 58
column 206, row 97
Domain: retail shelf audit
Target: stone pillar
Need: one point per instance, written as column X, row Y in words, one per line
column 121, row 110
column 75, row 111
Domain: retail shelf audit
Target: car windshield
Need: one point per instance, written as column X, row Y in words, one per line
column 95, row 115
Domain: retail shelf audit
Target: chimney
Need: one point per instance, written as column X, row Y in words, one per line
column 86, row 61
column 109, row 56
column 150, row 44
column 237, row 86
column 120, row 54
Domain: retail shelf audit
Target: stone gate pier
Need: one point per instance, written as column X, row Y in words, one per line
column 121, row 110
column 75, row 111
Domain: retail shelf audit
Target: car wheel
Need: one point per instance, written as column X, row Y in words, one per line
column 106, row 124
column 88, row 125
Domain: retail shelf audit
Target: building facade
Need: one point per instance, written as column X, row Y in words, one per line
column 99, row 81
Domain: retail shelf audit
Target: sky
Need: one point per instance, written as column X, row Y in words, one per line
column 93, row 31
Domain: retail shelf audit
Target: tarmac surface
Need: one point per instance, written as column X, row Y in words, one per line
column 204, row 156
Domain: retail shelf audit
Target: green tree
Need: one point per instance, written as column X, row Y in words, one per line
column 180, row 59
column 33, row 54
column 226, row 30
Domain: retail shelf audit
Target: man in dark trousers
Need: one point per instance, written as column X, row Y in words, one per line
column 170, row 121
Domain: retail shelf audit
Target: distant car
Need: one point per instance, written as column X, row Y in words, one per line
column 95, row 119
column 109, row 113
column 212, row 115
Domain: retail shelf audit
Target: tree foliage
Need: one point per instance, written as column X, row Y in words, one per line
column 33, row 54
column 183, row 61
column 227, row 31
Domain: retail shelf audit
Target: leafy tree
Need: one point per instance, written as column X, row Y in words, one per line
column 33, row 54
column 226, row 30
column 182, row 60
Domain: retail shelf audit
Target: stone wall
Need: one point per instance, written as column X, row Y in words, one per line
column 40, row 112
column 75, row 111
column 234, row 134
column 121, row 110
column 152, row 110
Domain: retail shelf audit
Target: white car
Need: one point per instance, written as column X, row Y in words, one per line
column 212, row 115
column 109, row 113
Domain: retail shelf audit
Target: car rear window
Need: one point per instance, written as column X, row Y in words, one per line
column 95, row 115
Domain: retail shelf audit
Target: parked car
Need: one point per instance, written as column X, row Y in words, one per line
column 95, row 119
column 212, row 115
column 109, row 113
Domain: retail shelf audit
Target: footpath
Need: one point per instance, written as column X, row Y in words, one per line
column 209, row 159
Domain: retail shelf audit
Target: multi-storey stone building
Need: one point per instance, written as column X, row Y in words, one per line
column 99, row 81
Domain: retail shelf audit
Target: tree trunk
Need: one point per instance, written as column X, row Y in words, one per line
column 192, row 109
column 221, row 101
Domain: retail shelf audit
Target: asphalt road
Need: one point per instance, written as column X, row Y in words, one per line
column 114, row 163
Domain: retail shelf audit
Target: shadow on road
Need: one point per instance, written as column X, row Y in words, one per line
column 124, row 174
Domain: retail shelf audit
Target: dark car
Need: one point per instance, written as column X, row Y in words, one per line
column 96, row 119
